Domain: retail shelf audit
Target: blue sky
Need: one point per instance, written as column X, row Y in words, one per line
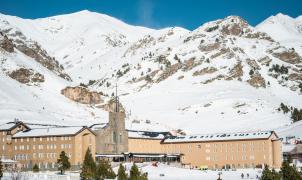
column 157, row 13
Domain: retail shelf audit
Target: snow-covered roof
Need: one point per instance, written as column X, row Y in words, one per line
column 220, row 137
column 58, row 131
column 145, row 135
column 6, row 126
column 98, row 126
column 288, row 148
column 10, row 125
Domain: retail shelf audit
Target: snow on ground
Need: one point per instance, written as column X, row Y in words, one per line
column 174, row 173
column 162, row 172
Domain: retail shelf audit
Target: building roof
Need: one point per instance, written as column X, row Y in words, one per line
column 220, row 137
column 145, row 135
column 51, row 131
column 98, row 126
column 11, row 125
column 297, row 149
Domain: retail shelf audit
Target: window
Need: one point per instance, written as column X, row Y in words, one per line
column 114, row 136
column 41, row 139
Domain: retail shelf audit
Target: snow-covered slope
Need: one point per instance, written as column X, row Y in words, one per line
column 220, row 77
column 285, row 29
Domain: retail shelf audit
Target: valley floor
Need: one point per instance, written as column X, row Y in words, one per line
column 162, row 172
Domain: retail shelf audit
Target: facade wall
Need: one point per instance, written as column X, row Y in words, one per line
column 140, row 145
column 113, row 139
column 219, row 154
column 44, row 151
column 83, row 141
column 231, row 154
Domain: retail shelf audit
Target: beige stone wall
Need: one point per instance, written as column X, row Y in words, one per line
column 236, row 154
column 113, row 139
column 83, row 141
column 44, row 151
column 140, row 145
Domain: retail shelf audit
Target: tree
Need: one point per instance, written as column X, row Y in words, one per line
column 1, row 168
column 135, row 174
column 63, row 162
column 296, row 115
column 89, row 166
column 104, row 170
column 289, row 172
column 251, row 72
column 268, row 174
column 300, row 86
column 121, row 174
column 36, row 168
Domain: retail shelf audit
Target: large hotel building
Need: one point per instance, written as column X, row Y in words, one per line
column 214, row 151
column 31, row 144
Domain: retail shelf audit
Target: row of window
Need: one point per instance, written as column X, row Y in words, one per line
column 221, row 147
column 243, row 157
column 63, row 138
column 38, row 155
column 40, row 146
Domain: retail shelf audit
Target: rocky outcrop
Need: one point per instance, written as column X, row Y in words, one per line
column 26, row 76
column 82, row 95
column 289, row 56
column 15, row 38
column 265, row 61
column 253, row 64
column 209, row 47
column 207, row 70
column 235, row 72
column 6, row 44
column 257, row 81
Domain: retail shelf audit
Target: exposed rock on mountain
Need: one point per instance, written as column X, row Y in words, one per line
column 221, row 63
column 82, row 95
column 6, row 44
column 26, row 76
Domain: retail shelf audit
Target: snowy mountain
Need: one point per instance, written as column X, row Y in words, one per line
column 223, row 76
column 285, row 29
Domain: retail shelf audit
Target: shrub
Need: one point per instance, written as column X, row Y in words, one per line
column 36, row 168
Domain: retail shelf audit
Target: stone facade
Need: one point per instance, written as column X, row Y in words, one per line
column 113, row 138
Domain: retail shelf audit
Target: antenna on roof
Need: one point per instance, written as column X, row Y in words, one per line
column 116, row 100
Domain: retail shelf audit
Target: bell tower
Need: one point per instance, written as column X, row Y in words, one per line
column 113, row 139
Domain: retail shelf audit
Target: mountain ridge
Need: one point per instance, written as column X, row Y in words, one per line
column 223, row 73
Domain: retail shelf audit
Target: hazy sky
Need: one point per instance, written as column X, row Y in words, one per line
column 157, row 13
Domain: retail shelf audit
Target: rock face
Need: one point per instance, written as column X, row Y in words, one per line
column 82, row 95
column 289, row 56
column 6, row 44
column 257, row 81
column 26, row 76
column 207, row 70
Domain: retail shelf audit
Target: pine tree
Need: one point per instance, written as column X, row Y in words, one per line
column 36, row 168
column 296, row 115
column 104, row 170
column 63, row 162
column 89, row 167
column 289, row 172
column 135, row 174
column 121, row 174
column 266, row 174
column 1, row 168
